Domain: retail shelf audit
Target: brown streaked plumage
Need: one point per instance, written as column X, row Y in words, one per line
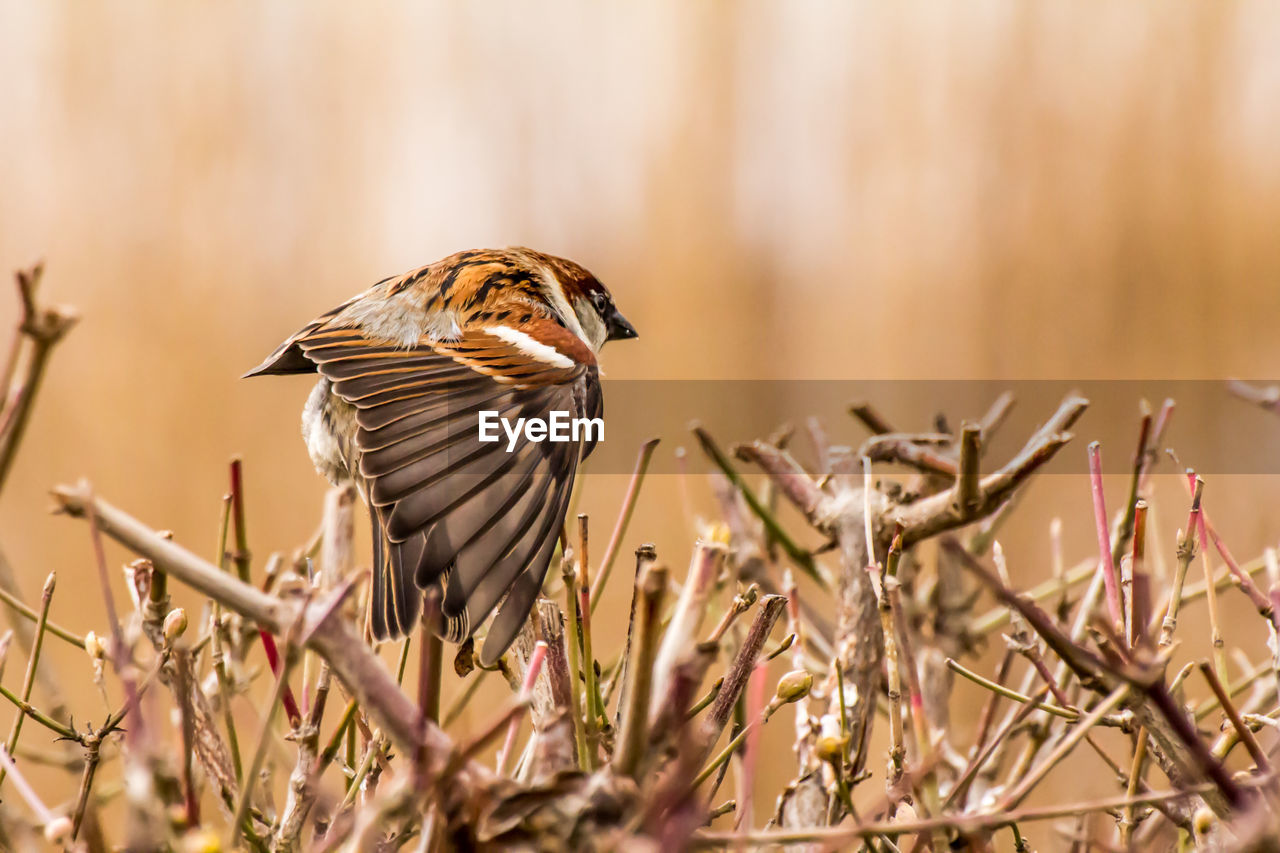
column 405, row 368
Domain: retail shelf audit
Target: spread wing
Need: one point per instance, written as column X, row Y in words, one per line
column 447, row 507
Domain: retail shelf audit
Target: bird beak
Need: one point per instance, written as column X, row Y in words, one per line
column 619, row 328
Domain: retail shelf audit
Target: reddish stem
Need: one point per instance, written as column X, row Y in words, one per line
column 526, row 692
column 273, row 658
column 1260, row 601
column 1140, row 593
column 1153, row 447
column 1105, row 564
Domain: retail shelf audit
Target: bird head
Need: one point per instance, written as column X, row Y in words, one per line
column 590, row 301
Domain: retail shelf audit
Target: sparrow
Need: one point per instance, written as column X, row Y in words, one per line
column 406, row 368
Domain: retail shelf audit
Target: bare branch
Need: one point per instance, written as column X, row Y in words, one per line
column 937, row 514
column 352, row 661
column 43, row 327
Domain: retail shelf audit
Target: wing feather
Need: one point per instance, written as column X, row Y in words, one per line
column 447, row 508
column 424, row 491
column 475, row 557
column 430, row 408
column 519, row 601
column 502, row 572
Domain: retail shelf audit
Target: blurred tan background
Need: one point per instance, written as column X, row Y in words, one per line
column 771, row 190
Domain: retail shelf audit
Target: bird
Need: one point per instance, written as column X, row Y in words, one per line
column 405, row 370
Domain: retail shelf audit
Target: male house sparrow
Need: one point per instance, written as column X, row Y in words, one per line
column 405, row 369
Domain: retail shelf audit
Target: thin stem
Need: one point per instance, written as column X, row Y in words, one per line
column 404, row 660
column 291, row 654
column 987, row 716
column 45, row 327
column 739, row 671
column 1243, row 578
column 984, row 751
column 802, row 558
column 370, row 756
column 594, row 705
column 27, row 282
column 1009, row 693
column 302, row 781
column 968, row 488
column 273, row 659
column 460, row 704
column 897, row 746
column 1059, row 570
column 915, row 696
column 651, row 587
column 190, row 797
column 39, row 716
column 845, row 737
column 92, row 741
column 1207, row 707
column 29, row 679
column 335, row 740
column 430, row 658
column 1272, row 562
column 741, row 604
column 26, row 612
column 117, row 651
column 27, row 792
column 224, row 526
column 705, row 700
column 1223, row 580
column 92, row 757
column 724, row 755
column 624, row 519
column 1014, row 797
column 1141, row 460
column 997, row 617
column 241, row 556
column 1138, row 612
column 526, row 693
column 1153, row 445
column 1186, row 553
column 430, row 665
column 868, row 517
column 870, row 417
column 1243, row 731
column 836, row 836
column 1135, row 782
column 1106, row 564
column 1211, row 600
column 353, row 662
column 585, row 759
column 490, row 732
column 225, row 689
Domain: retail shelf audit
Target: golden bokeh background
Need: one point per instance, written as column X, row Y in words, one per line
column 771, row 190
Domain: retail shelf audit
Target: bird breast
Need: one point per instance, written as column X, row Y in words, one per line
column 329, row 428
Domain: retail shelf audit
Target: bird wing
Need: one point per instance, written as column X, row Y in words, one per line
column 473, row 516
